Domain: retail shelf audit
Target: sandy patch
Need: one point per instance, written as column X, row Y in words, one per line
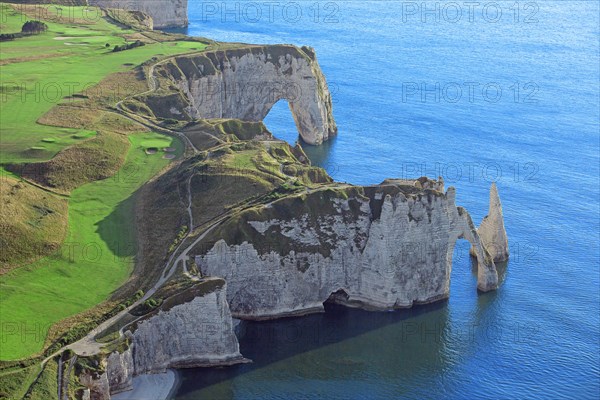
column 75, row 37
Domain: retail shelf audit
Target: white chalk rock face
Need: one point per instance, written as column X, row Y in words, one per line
column 164, row 13
column 492, row 231
column 246, row 82
column 193, row 328
column 383, row 248
column 190, row 332
column 119, row 371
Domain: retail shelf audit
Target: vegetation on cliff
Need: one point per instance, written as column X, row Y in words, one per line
column 68, row 148
column 86, row 167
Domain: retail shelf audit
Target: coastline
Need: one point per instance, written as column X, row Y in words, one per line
column 151, row 387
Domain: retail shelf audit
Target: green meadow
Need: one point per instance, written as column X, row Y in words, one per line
column 97, row 255
column 39, row 71
column 95, row 259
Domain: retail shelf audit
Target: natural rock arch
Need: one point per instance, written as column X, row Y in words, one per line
column 487, row 276
column 280, row 122
column 381, row 247
column 244, row 83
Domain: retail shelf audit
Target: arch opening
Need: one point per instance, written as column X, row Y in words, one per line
column 340, row 296
column 280, row 122
column 462, row 273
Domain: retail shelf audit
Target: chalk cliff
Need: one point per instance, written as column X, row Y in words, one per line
column 164, row 13
column 381, row 247
column 120, row 370
column 492, row 231
column 191, row 330
column 194, row 328
column 244, row 83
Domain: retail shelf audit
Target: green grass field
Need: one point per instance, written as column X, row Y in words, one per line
column 97, row 256
column 95, row 259
column 39, row 71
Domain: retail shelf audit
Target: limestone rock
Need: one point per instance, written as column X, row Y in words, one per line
column 492, row 231
column 190, row 329
column 381, row 247
column 97, row 386
column 195, row 333
column 164, row 13
column 244, row 83
column 119, row 371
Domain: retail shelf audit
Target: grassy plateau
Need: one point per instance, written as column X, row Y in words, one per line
column 96, row 178
column 78, row 217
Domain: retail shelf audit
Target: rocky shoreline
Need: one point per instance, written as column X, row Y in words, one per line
column 290, row 238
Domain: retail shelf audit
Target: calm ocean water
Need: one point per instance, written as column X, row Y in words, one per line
column 506, row 92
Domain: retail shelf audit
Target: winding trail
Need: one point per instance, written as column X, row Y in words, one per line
column 87, row 345
column 152, row 87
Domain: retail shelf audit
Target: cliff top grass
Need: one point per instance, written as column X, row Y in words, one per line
column 41, row 71
column 96, row 257
column 64, row 140
column 59, row 132
column 285, row 203
column 43, row 215
column 78, row 183
column 186, row 293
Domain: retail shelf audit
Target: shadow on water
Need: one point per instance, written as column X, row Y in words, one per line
column 336, row 352
column 405, row 343
column 320, row 155
column 488, row 297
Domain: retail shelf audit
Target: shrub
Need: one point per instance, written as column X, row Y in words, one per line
column 7, row 36
column 34, row 27
column 137, row 43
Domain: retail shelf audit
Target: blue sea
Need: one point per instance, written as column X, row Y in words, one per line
column 503, row 91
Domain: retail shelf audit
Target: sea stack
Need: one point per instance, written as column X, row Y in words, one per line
column 491, row 231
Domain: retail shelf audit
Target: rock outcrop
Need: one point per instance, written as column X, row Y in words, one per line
column 164, row 13
column 492, row 231
column 244, row 83
column 194, row 328
column 120, row 371
column 191, row 330
column 381, row 247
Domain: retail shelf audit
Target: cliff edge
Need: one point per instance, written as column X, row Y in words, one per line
column 164, row 13
column 381, row 247
column 243, row 83
column 192, row 328
column 245, row 227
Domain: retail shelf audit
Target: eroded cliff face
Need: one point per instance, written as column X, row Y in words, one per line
column 492, row 231
column 196, row 333
column 380, row 247
column 120, row 370
column 244, row 83
column 164, row 13
column 191, row 329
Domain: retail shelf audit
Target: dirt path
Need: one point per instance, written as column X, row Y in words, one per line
column 152, row 87
column 88, row 345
